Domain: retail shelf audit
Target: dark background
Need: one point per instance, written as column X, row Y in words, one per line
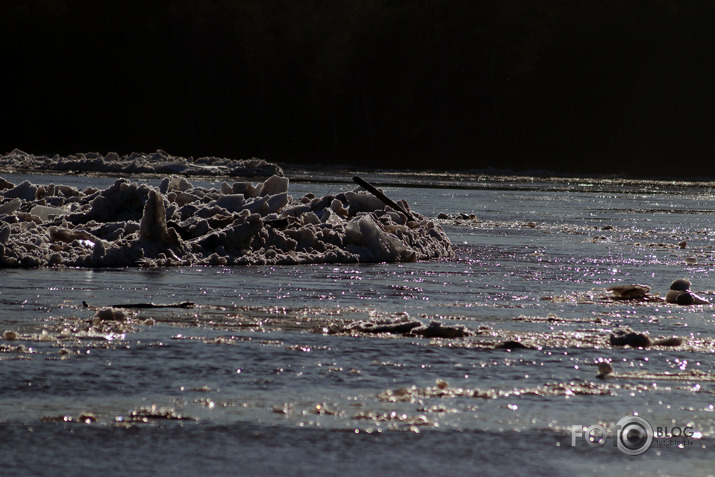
column 575, row 86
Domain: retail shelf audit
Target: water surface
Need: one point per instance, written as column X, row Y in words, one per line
column 251, row 381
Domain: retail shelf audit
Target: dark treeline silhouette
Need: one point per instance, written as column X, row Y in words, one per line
column 604, row 86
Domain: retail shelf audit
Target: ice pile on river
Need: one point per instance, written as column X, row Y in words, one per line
column 159, row 162
column 134, row 224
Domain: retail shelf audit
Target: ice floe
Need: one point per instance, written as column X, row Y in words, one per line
column 402, row 324
column 177, row 224
column 160, row 162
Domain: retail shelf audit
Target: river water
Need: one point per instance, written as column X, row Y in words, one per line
column 253, row 381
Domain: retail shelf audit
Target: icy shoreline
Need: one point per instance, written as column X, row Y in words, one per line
column 159, row 162
column 177, row 224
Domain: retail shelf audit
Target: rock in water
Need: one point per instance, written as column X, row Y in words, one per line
column 512, row 344
column 680, row 294
column 437, row 330
column 604, row 369
column 677, row 288
column 632, row 339
column 680, row 284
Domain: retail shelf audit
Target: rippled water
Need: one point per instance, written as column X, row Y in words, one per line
column 261, row 386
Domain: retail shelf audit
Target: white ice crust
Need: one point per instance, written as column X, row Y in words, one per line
column 176, row 224
column 159, row 162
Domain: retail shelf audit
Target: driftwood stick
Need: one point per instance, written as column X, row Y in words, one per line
column 184, row 304
column 386, row 200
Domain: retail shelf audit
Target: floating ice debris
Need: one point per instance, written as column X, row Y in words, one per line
column 605, row 370
column 110, row 314
column 402, row 324
column 44, row 212
column 413, row 394
column 457, row 219
column 84, row 418
column 673, row 341
column 132, row 224
column 159, row 162
column 640, row 340
column 437, row 330
column 153, row 413
column 629, row 292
